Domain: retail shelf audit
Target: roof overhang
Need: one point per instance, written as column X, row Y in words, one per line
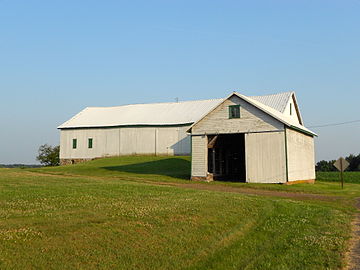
column 125, row 126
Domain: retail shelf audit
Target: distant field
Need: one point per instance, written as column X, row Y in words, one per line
column 349, row 177
column 123, row 213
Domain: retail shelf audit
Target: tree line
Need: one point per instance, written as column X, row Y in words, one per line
column 328, row 166
column 10, row 166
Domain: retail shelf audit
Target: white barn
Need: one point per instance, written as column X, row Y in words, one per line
column 140, row 129
column 252, row 139
column 255, row 140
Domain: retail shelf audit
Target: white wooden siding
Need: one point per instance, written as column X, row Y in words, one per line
column 301, row 157
column 124, row 141
column 251, row 119
column 199, row 156
column 265, row 157
column 294, row 114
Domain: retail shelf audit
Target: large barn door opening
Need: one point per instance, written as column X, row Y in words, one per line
column 226, row 157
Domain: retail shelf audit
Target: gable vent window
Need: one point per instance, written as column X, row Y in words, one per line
column 234, row 111
column 90, row 143
column 290, row 109
column 74, row 143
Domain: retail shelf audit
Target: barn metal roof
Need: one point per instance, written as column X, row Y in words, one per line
column 275, row 101
column 287, row 120
column 173, row 113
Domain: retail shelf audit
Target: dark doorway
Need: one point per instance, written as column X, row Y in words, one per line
column 226, row 157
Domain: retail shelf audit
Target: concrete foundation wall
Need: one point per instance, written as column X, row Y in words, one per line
column 301, row 156
column 124, row 141
column 265, row 157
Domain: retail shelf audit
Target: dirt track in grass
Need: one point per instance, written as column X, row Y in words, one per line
column 210, row 187
column 252, row 191
column 354, row 252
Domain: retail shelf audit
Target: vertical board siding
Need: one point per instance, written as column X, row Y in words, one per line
column 251, row 119
column 124, row 141
column 265, row 157
column 167, row 138
column 199, row 156
column 105, row 143
column 137, row 141
column 301, row 157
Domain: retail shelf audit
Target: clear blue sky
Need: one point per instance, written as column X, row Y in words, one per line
column 57, row 57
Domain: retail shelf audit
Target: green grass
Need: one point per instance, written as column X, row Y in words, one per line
column 177, row 169
column 349, row 177
column 161, row 168
column 112, row 214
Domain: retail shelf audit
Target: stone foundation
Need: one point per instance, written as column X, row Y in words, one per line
column 208, row 178
column 69, row 161
column 311, row 181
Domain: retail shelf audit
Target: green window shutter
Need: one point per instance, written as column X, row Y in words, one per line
column 74, row 143
column 90, row 143
column 234, row 111
column 238, row 111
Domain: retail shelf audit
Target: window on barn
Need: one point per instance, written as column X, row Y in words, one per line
column 74, row 143
column 290, row 109
column 234, row 111
column 90, row 143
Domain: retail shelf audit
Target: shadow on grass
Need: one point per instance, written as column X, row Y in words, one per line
column 178, row 168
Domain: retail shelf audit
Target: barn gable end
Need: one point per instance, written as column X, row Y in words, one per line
column 251, row 119
column 292, row 110
column 268, row 144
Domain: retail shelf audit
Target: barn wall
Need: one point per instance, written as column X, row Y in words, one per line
column 265, row 157
column 294, row 114
column 124, row 141
column 199, row 156
column 251, row 120
column 137, row 141
column 105, row 143
column 301, row 157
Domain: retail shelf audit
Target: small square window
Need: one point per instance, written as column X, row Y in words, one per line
column 74, row 143
column 90, row 143
column 234, row 111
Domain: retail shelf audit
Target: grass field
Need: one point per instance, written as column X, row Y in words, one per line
column 123, row 213
column 349, row 177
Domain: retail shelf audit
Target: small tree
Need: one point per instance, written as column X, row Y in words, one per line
column 49, row 155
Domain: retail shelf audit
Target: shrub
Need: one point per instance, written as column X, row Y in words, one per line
column 49, row 155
